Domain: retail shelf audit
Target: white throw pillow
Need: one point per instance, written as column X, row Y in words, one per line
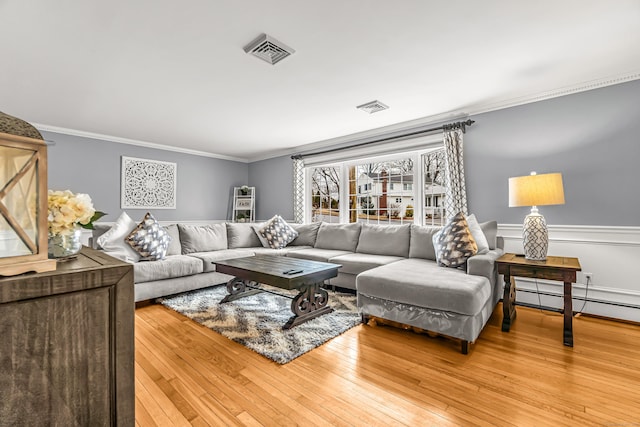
column 113, row 241
column 478, row 234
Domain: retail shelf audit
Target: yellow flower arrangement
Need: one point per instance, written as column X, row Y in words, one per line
column 68, row 210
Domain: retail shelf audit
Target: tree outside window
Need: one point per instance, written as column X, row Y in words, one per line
column 325, row 194
column 434, row 188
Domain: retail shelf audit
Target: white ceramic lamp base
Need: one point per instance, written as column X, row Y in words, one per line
column 535, row 236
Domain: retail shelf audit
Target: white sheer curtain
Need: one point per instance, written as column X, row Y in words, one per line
column 298, row 190
column 456, row 190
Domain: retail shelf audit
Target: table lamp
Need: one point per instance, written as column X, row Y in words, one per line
column 536, row 190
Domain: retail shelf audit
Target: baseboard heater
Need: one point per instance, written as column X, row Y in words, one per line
column 575, row 299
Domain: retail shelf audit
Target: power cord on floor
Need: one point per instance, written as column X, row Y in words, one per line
column 586, row 292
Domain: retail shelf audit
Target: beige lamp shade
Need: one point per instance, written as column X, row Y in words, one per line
column 536, row 190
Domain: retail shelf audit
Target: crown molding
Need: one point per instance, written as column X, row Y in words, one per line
column 415, row 124
column 119, row 140
column 410, row 125
column 555, row 93
column 400, row 128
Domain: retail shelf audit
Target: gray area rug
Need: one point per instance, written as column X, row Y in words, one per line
column 256, row 321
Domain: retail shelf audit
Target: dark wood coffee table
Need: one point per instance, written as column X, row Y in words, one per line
column 285, row 273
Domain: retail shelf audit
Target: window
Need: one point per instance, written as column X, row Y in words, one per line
column 325, row 194
column 382, row 200
column 434, row 189
column 393, row 189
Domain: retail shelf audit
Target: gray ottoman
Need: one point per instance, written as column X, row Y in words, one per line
column 417, row 292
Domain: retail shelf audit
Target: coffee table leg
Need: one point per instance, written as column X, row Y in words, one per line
column 311, row 302
column 237, row 288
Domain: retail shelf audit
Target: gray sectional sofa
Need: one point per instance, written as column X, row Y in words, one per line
column 392, row 268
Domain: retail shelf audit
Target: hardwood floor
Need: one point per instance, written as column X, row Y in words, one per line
column 187, row 375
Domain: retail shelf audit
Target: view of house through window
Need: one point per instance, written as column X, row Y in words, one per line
column 402, row 190
column 381, row 192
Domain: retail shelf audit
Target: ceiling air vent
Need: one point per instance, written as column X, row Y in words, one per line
column 268, row 49
column 372, row 107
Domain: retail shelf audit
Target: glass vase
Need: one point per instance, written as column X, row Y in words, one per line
column 65, row 245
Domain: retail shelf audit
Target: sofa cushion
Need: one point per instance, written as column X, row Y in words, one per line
column 202, row 238
column 242, row 235
column 344, row 280
column 277, row 232
column 208, row 258
column 167, row 268
column 317, row 254
column 112, row 241
column 175, row 248
column 490, row 230
column 149, row 239
column 307, row 234
column 342, row 237
column 422, row 283
column 390, row 240
column 356, row 263
column 421, row 245
column 454, row 244
column 478, row 234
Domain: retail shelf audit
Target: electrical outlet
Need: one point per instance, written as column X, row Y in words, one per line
column 588, row 277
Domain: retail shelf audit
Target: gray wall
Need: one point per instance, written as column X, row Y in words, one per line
column 591, row 137
column 85, row 165
column 273, row 179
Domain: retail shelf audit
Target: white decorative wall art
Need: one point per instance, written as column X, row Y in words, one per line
column 148, row 184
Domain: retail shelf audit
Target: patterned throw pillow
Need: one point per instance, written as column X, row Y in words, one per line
column 454, row 244
column 149, row 239
column 278, row 233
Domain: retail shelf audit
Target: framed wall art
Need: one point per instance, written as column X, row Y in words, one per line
column 148, row 184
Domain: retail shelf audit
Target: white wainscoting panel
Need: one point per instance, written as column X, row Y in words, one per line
column 610, row 254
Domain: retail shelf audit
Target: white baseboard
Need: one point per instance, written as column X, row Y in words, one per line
column 610, row 254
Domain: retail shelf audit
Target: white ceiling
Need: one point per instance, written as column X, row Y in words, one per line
column 174, row 73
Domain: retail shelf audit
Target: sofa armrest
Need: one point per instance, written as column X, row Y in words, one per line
column 484, row 264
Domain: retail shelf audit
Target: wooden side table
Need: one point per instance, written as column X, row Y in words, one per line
column 67, row 344
column 558, row 268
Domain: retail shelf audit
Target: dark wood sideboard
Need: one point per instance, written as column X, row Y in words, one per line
column 67, row 344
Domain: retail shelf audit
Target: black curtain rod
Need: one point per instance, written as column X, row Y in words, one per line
column 449, row 126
